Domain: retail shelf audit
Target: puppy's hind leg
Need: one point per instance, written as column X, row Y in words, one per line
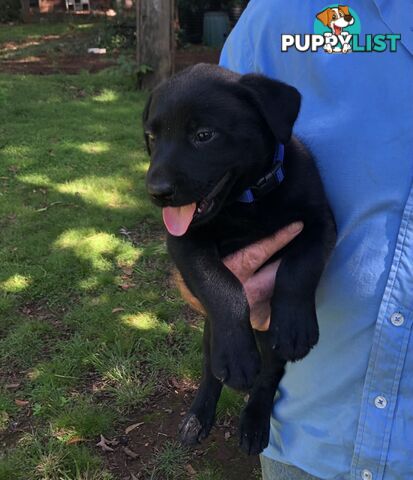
column 198, row 422
column 255, row 418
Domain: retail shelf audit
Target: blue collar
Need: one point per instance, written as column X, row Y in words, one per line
column 268, row 182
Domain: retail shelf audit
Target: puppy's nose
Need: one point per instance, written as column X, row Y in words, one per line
column 161, row 190
column 348, row 18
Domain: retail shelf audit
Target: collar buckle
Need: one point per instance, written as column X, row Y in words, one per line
column 268, row 182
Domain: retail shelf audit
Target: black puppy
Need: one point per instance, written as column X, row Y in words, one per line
column 219, row 171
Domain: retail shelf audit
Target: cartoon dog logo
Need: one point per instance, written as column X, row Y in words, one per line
column 336, row 19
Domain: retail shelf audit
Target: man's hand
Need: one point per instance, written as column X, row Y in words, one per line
column 244, row 265
column 260, row 286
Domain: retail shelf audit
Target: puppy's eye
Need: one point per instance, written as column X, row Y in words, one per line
column 334, row 17
column 204, row 135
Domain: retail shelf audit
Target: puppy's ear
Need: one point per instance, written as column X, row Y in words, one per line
column 344, row 9
column 277, row 102
column 145, row 116
column 324, row 16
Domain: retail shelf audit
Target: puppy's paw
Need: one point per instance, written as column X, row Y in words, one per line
column 236, row 362
column 293, row 331
column 195, row 427
column 254, row 429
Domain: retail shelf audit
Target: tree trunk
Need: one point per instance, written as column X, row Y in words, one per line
column 155, row 40
column 25, row 11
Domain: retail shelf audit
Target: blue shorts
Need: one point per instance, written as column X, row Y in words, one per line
column 272, row 470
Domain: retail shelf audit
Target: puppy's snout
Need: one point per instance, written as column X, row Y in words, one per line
column 161, row 190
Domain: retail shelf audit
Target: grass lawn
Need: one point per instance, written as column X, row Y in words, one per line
column 47, row 38
column 93, row 336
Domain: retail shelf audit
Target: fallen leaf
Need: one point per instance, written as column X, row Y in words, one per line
column 12, row 386
column 21, row 403
column 124, row 231
column 132, row 427
column 190, row 469
column 127, row 270
column 118, row 309
column 133, row 477
column 103, row 444
column 130, row 453
column 75, row 439
column 175, row 383
column 227, row 435
column 126, row 286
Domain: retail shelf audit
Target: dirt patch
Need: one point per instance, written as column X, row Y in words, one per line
column 14, row 46
column 48, row 64
column 44, row 65
column 21, row 424
column 134, row 453
column 144, row 234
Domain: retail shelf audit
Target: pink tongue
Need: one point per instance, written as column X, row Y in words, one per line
column 177, row 219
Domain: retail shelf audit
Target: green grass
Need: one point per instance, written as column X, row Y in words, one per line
column 169, row 462
column 80, row 304
column 34, row 31
column 54, row 40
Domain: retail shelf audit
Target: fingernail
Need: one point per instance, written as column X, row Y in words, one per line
column 295, row 227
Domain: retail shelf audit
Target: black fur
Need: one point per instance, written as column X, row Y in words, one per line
column 249, row 114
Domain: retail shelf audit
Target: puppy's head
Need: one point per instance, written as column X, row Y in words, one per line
column 211, row 133
column 336, row 18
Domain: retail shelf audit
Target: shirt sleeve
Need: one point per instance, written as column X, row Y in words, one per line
column 237, row 53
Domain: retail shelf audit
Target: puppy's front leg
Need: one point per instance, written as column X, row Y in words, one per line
column 234, row 355
column 198, row 422
column 255, row 418
column 293, row 328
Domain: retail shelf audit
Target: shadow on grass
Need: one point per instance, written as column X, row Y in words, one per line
column 92, row 331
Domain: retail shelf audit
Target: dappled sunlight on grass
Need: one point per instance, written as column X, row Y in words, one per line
column 94, row 147
column 40, row 180
column 93, row 282
column 106, row 96
column 145, row 321
column 142, row 166
column 16, row 151
column 16, row 283
column 103, row 191
column 96, row 247
column 92, row 329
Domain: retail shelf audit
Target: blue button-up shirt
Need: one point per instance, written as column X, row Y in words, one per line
column 346, row 410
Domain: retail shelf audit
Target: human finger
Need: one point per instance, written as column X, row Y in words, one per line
column 245, row 262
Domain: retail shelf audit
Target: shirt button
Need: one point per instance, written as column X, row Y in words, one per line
column 380, row 402
column 366, row 475
column 397, row 319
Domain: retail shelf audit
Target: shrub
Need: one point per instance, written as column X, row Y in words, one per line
column 9, row 10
